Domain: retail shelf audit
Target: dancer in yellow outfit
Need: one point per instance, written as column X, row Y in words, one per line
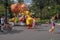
column 29, row 20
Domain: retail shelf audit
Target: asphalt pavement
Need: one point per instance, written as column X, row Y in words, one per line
column 22, row 33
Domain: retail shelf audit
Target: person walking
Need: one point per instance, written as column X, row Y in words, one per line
column 52, row 23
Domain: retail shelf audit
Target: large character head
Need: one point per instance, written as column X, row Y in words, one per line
column 14, row 8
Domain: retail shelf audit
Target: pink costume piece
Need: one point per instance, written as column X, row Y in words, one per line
column 52, row 24
column 34, row 23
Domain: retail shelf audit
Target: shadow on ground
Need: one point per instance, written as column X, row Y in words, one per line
column 11, row 32
column 20, row 26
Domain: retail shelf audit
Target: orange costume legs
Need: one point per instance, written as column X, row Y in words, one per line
column 29, row 26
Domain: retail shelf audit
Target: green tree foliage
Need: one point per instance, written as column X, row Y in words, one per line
column 41, row 8
column 1, row 9
column 2, row 6
column 58, row 2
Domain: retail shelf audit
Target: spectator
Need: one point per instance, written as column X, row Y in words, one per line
column 2, row 23
column 34, row 22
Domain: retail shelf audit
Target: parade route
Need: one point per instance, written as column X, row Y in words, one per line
column 22, row 33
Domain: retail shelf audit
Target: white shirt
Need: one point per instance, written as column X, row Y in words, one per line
column 2, row 20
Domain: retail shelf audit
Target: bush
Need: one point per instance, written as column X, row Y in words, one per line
column 43, row 21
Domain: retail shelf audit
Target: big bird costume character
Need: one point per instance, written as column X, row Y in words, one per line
column 29, row 20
